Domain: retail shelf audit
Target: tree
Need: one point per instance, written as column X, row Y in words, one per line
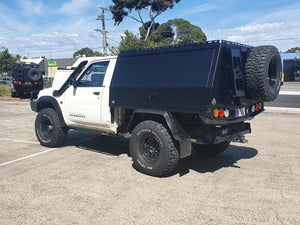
column 87, row 52
column 144, row 30
column 177, row 31
column 163, row 35
column 293, row 50
column 8, row 62
column 130, row 41
column 124, row 8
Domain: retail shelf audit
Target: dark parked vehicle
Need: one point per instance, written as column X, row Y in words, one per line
column 291, row 69
column 27, row 77
column 6, row 81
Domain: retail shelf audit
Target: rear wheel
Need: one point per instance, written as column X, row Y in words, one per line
column 14, row 94
column 48, row 128
column 211, row 149
column 152, row 149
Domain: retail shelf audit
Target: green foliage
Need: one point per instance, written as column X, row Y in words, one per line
column 293, row 50
column 87, row 52
column 5, row 90
column 125, row 8
column 122, row 8
column 163, row 35
column 130, row 41
column 114, row 50
column 177, row 31
column 144, row 29
column 7, row 62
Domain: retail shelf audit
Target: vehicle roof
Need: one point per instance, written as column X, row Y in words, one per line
column 92, row 59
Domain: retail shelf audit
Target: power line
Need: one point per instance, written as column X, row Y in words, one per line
column 45, row 23
column 113, row 40
column 53, row 51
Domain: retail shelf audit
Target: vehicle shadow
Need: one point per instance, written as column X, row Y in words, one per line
column 104, row 144
column 118, row 145
column 204, row 164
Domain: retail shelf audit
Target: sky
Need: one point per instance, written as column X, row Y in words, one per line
column 57, row 28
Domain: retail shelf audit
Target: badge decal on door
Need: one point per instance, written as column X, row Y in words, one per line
column 77, row 115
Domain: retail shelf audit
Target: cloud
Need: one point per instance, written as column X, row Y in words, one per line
column 258, row 27
column 31, row 8
column 75, row 6
column 198, row 9
column 283, row 35
column 279, row 27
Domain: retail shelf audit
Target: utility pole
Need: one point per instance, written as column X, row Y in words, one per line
column 103, row 31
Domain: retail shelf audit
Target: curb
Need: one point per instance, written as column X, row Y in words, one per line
column 283, row 110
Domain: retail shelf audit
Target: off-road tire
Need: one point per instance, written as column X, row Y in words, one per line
column 48, row 128
column 211, row 149
column 152, row 149
column 14, row 94
column 34, row 75
column 263, row 73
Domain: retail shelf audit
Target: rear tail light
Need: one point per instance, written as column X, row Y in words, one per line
column 256, row 107
column 216, row 113
column 221, row 113
column 226, row 113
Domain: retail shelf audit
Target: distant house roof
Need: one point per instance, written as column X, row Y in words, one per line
column 34, row 60
column 64, row 63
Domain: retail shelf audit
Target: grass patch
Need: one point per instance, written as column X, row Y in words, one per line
column 5, row 90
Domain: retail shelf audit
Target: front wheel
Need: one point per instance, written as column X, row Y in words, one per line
column 211, row 149
column 48, row 128
column 152, row 149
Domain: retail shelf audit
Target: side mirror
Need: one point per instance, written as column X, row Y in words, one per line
column 73, row 82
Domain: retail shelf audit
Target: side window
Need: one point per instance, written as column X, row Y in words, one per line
column 93, row 76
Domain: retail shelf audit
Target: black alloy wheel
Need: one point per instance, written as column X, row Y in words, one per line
column 150, row 148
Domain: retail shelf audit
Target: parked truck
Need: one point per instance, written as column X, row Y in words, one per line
column 169, row 100
column 27, row 77
column 291, row 69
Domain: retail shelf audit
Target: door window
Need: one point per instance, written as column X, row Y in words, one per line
column 93, row 76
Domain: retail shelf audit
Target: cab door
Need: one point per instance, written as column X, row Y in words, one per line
column 82, row 104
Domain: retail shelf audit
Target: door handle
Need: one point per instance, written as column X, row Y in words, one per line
column 96, row 93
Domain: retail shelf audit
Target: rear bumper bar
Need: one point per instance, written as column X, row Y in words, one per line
column 226, row 133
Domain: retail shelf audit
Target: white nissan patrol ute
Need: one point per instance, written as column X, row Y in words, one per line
column 168, row 100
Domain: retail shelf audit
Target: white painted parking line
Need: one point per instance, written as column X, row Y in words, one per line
column 29, row 156
column 36, row 154
column 20, row 141
column 289, row 93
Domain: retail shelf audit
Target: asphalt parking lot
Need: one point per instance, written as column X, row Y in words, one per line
column 91, row 180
